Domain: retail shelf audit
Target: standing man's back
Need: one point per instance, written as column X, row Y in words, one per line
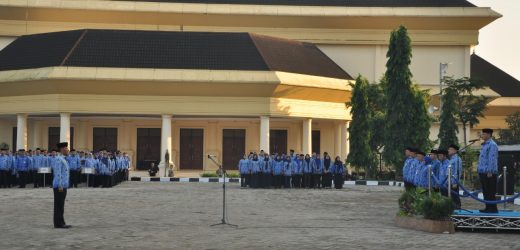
column 60, row 184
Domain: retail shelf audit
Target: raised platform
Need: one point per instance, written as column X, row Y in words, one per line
column 474, row 220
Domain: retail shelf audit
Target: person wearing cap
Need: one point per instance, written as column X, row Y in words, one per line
column 23, row 165
column 38, row 161
column 410, row 155
column 435, row 163
column 60, row 184
column 487, row 169
column 74, row 166
column 456, row 170
column 442, row 155
column 419, row 167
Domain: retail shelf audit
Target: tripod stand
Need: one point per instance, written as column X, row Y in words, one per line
column 222, row 172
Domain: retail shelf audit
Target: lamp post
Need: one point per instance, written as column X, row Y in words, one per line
column 442, row 72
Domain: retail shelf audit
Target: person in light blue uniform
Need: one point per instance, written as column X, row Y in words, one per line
column 297, row 171
column 287, row 171
column 317, row 171
column 266, row 172
column 256, row 171
column 419, row 167
column 436, row 165
column 74, row 167
column 307, row 171
column 60, row 184
column 442, row 173
column 243, row 168
column 23, row 165
column 487, row 169
column 326, row 179
column 338, row 173
column 456, row 170
column 38, row 161
column 4, row 168
column 278, row 168
column 410, row 155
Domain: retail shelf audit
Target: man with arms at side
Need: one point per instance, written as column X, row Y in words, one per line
column 487, row 169
column 60, row 184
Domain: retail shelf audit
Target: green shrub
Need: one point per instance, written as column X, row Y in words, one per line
column 233, row 174
column 437, row 207
column 209, row 174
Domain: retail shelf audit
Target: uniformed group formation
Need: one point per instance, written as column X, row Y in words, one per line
column 417, row 165
column 104, row 168
column 291, row 171
column 445, row 162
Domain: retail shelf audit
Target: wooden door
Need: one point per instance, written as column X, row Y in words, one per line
column 233, row 147
column 316, row 140
column 54, row 138
column 278, row 141
column 191, row 148
column 104, row 138
column 148, row 147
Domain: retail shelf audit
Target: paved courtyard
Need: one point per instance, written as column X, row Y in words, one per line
column 137, row 215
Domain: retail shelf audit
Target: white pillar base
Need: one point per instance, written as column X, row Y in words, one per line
column 166, row 144
column 21, row 132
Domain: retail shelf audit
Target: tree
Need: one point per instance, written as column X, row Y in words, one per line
column 448, row 124
column 405, row 106
column 361, row 155
column 512, row 134
column 420, row 131
column 467, row 107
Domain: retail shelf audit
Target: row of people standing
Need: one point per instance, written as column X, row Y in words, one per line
column 416, row 170
column 24, row 168
column 291, row 171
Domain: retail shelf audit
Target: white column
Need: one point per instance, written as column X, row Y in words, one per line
column 338, row 140
column 166, row 142
column 65, row 128
column 344, row 140
column 307, row 136
column 21, row 132
column 264, row 133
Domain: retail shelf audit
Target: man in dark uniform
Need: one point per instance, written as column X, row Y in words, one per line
column 60, row 184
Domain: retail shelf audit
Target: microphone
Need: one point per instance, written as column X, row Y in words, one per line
column 474, row 140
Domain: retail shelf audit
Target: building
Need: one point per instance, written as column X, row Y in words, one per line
column 217, row 77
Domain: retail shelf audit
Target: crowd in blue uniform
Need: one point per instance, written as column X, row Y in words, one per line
column 417, row 164
column 24, row 167
column 291, row 171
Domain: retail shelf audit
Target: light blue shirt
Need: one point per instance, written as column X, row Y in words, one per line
column 488, row 159
column 60, row 171
column 4, row 163
column 456, row 168
column 243, row 166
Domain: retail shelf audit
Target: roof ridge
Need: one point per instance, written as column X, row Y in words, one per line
column 73, row 47
column 494, row 66
column 252, row 37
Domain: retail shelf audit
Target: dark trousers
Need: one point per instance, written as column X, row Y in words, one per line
column 22, row 178
column 287, row 182
column 242, row 180
column 59, row 207
column 338, row 181
column 489, row 189
column 267, row 180
column 74, row 178
column 36, row 179
column 277, row 181
column 297, row 181
column 316, row 181
column 307, row 180
column 408, row 185
column 326, row 180
column 248, row 180
column 4, row 180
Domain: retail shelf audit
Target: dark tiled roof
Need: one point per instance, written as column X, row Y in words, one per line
column 167, row 50
column 498, row 80
column 352, row 3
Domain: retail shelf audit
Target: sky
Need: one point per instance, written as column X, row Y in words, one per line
column 499, row 42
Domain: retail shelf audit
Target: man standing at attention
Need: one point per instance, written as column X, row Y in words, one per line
column 60, row 184
column 487, row 169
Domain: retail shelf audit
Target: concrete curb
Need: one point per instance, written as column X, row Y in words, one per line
column 237, row 180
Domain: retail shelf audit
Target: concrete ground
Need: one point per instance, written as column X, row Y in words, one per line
column 138, row 215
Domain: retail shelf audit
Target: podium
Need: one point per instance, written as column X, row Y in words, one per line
column 88, row 172
column 44, row 171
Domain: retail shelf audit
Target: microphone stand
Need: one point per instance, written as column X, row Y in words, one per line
column 471, row 143
column 222, row 172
